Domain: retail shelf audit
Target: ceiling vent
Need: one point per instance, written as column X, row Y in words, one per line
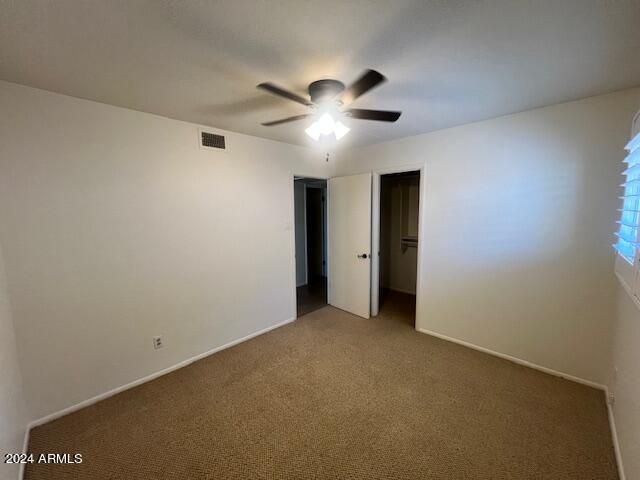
column 211, row 141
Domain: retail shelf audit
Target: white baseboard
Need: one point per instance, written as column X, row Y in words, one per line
column 184, row 363
column 612, row 422
column 519, row 361
column 614, row 438
column 140, row 381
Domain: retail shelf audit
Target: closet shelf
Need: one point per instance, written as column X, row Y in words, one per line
column 408, row 241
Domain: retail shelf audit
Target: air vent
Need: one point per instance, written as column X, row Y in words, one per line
column 212, row 140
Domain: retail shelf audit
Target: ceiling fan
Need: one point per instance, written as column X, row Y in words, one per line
column 328, row 99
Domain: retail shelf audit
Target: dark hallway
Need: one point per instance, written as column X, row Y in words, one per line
column 310, row 213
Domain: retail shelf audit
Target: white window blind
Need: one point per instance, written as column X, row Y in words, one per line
column 629, row 224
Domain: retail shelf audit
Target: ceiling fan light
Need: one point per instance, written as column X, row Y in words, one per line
column 313, row 131
column 340, row 130
column 326, row 124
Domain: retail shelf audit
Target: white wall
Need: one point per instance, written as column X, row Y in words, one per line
column 117, row 227
column 518, row 216
column 13, row 415
column 300, row 231
column 624, row 379
column 626, row 384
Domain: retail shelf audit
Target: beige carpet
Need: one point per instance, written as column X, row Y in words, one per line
column 333, row 396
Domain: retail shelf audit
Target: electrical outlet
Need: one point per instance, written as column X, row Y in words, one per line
column 157, row 342
column 611, row 399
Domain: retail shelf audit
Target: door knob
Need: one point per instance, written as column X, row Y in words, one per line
column 364, row 255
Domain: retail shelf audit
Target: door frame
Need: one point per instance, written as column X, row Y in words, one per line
column 375, row 234
column 291, row 224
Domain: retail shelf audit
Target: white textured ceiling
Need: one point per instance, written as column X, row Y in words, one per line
column 448, row 62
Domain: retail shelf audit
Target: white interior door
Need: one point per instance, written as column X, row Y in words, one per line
column 350, row 243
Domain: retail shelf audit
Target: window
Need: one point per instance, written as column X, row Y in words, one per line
column 628, row 235
column 629, row 223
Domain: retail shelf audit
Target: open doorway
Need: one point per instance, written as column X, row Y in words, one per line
column 398, row 253
column 311, row 243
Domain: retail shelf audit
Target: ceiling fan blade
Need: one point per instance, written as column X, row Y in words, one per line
column 380, row 115
column 369, row 79
column 286, row 120
column 281, row 92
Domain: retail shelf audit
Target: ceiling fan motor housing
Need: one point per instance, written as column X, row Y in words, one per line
column 331, row 95
column 327, row 89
